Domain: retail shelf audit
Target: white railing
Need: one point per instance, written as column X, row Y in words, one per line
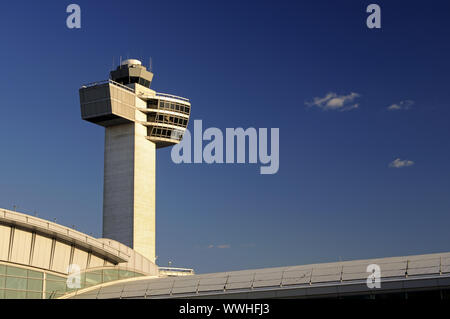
column 172, row 96
column 107, row 81
column 131, row 89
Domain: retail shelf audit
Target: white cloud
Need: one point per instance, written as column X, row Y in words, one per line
column 349, row 107
column 398, row 163
column 402, row 105
column 225, row 246
column 332, row 101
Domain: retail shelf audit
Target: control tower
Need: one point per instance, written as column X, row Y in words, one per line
column 137, row 121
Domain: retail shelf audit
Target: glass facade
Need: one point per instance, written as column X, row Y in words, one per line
column 167, row 119
column 90, row 278
column 165, row 133
column 133, row 79
column 170, row 106
column 55, row 286
column 174, row 107
column 22, row 283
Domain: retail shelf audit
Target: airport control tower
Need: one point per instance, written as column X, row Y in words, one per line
column 137, row 121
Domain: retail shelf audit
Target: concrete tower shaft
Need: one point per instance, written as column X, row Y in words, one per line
column 137, row 121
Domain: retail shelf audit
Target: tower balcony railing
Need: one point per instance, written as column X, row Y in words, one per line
column 131, row 89
column 108, row 81
column 172, row 96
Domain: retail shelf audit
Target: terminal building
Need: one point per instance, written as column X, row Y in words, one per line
column 35, row 256
column 40, row 259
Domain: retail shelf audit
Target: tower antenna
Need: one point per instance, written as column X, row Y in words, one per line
column 150, row 64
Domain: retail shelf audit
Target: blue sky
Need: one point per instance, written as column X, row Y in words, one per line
column 244, row 64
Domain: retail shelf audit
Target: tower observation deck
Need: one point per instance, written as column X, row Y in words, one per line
column 137, row 121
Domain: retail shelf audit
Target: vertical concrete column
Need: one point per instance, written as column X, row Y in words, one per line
column 118, row 183
column 144, row 194
column 129, row 188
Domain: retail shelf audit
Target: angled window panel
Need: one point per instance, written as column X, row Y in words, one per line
column 93, row 278
column 151, row 117
column 35, row 274
column 296, row 277
column 212, row 283
column 161, row 283
column 326, row 274
column 15, row 294
column 355, row 272
column 42, row 252
column 159, row 292
column 424, row 266
column 21, row 247
column 184, row 290
column 53, row 287
column 80, row 258
column 160, row 287
column 16, row 283
column 5, row 233
column 95, row 261
column 111, row 289
column 61, row 257
column 182, row 285
column 268, row 279
column 16, row 271
column 128, row 287
column 133, row 294
column 34, row 284
column 110, row 275
column 393, row 269
column 124, row 274
column 445, row 264
column 240, row 281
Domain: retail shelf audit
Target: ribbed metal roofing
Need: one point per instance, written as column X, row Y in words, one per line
column 305, row 276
